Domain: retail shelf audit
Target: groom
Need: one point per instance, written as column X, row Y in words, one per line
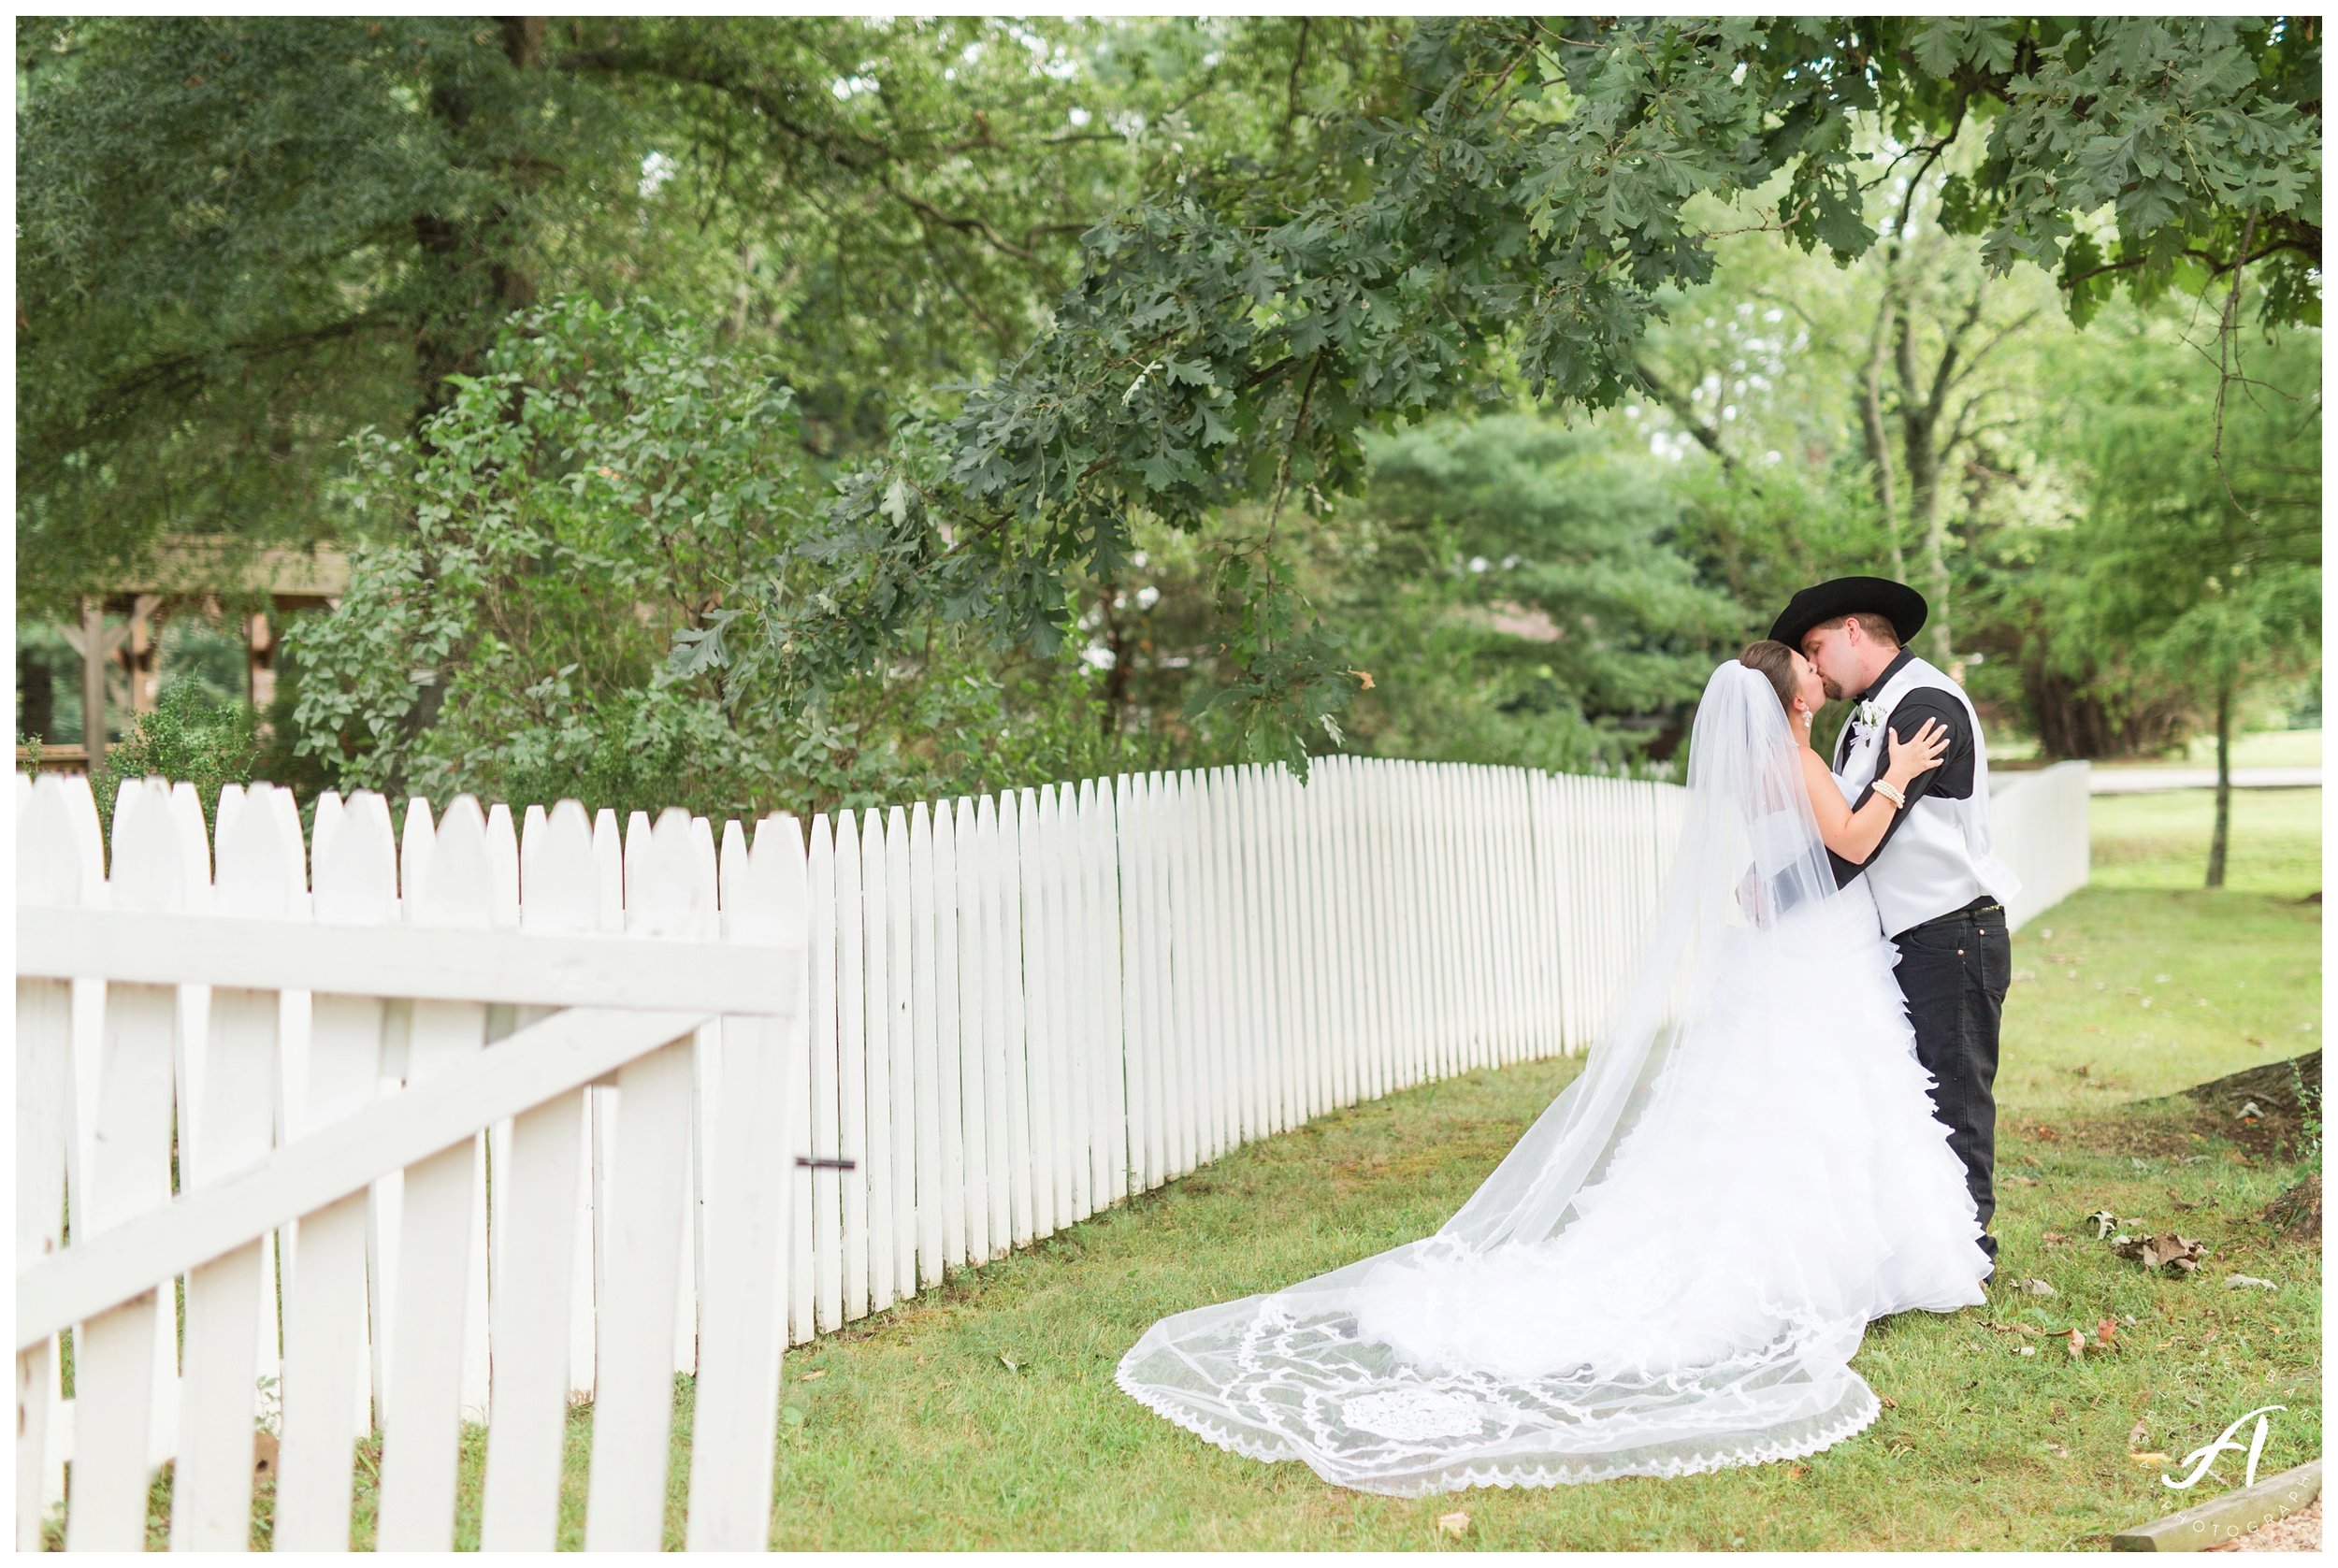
column 1940, row 891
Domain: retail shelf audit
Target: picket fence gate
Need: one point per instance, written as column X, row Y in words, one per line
column 152, row 1007
column 980, row 1022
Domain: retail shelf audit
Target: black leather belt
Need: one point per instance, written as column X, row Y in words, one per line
column 1983, row 905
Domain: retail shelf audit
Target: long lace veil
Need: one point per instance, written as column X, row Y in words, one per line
column 1494, row 1352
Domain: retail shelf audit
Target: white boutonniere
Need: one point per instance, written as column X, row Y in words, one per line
column 1865, row 719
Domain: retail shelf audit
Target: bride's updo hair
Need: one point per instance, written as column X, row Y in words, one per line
column 1775, row 660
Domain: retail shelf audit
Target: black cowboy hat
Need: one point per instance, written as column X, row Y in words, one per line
column 1898, row 603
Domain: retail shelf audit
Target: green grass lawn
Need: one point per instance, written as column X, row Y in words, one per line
column 984, row 1414
column 2257, row 748
column 2262, row 748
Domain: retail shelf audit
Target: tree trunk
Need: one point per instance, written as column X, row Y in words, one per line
column 1119, row 678
column 470, row 261
column 1919, row 422
column 2224, row 786
column 1878, row 442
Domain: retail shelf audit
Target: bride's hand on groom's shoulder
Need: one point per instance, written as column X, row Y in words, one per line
column 1919, row 752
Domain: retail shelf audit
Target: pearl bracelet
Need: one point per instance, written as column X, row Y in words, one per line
column 1890, row 791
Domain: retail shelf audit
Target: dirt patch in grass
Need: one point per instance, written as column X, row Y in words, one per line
column 2265, row 1113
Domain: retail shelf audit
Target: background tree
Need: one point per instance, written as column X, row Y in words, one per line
column 548, row 556
column 243, row 239
column 1353, row 226
column 1234, row 338
column 2203, row 566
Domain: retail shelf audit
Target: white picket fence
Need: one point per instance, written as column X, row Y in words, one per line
column 1019, row 1010
column 2038, row 825
column 313, row 1052
column 985, row 1020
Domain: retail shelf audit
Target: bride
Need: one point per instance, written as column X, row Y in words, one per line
column 1671, row 1270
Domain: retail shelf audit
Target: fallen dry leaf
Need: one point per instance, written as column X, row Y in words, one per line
column 2022, row 1181
column 1796, row 1471
column 1887, row 1401
column 2138, row 1434
column 2104, row 1222
column 2053, row 1238
column 1454, row 1523
column 2077, row 1342
column 2153, row 1459
column 2105, row 1331
column 2165, row 1251
column 2248, row 1282
column 2035, row 1288
column 812, row 1376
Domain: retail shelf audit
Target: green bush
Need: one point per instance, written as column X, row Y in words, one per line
column 188, row 738
column 544, row 606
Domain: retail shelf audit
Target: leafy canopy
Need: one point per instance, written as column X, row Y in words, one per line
column 1529, row 193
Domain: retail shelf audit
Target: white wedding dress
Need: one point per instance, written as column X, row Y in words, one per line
column 1671, row 1270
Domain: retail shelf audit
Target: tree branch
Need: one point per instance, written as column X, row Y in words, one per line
column 1282, row 479
column 1682, row 410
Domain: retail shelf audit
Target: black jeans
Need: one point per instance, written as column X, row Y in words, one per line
column 1953, row 971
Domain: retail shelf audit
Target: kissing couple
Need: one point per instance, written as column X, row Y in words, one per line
column 1784, row 1131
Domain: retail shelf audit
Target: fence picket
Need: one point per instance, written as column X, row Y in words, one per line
column 211, row 1495
column 601, row 1111
column 877, row 1017
column 1376, row 857
column 1034, row 816
column 326, row 1331
column 1015, row 936
column 900, row 966
column 820, row 1000
column 650, row 1181
column 997, row 942
column 1074, row 1021
column 925, row 1048
column 1141, row 1005
column 1196, row 994
column 800, row 1267
column 1295, row 1038
column 536, row 1170
column 970, row 911
column 948, row 1043
column 57, row 862
column 117, row 1363
column 1112, row 1112
column 441, row 1286
column 852, row 1067
column 1214, row 949
column 750, row 1212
